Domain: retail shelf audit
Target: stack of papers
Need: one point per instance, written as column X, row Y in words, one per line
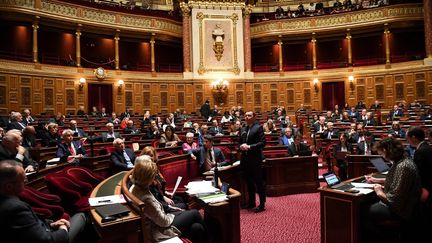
column 214, row 198
column 200, row 188
column 99, row 201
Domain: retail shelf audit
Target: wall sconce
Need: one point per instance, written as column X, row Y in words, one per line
column 351, row 82
column 220, row 91
column 81, row 83
column 120, row 85
column 315, row 84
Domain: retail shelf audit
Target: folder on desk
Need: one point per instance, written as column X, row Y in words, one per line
column 113, row 210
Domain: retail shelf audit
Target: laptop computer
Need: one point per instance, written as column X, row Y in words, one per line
column 334, row 182
column 380, row 165
column 116, row 210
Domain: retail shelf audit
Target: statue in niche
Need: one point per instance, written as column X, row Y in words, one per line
column 218, row 45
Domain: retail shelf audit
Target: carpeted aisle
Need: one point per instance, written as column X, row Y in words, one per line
column 291, row 219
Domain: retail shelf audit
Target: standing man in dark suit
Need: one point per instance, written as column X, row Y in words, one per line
column 205, row 109
column 122, row 158
column 252, row 142
column 208, row 155
column 422, row 157
column 69, row 149
column 19, row 223
column 297, row 146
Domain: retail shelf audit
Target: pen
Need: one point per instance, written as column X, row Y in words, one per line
column 104, row 201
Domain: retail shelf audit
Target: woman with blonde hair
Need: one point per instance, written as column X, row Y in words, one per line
column 157, row 188
column 161, row 225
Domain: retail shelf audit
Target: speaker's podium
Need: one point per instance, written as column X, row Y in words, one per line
column 341, row 214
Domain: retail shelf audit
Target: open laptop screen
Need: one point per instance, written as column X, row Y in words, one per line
column 380, row 164
column 331, row 178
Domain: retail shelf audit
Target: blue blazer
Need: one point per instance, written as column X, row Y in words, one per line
column 201, row 154
column 22, row 224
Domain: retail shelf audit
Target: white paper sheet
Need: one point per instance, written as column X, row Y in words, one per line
column 177, row 184
column 99, row 201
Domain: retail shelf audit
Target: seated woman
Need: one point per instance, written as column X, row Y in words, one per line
column 161, row 225
column 169, row 138
column 226, row 117
column 343, row 146
column 396, row 131
column 190, row 143
column 269, row 127
column 398, row 196
column 157, row 188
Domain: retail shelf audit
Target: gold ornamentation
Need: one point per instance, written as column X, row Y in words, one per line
column 218, row 45
column 185, row 9
column 100, row 73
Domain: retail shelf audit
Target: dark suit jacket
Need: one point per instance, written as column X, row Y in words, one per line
column 80, row 132
column 119, row 161
column 27, row 160
column 201, row 154
column 215, row 130
column 22, row 224
column 29, row 141
column 423, row 160
column 63, row 149
column 293, row 151
column 335, row 134
column 16, row 125
column 317, row 126
column 251, row 160
column 361, row 148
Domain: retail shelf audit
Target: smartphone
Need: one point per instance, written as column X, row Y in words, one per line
column 225, row 187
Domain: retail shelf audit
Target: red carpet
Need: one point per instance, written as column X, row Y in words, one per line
column 292, row 219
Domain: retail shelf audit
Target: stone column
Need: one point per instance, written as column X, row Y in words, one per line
column 387, row 43
column 78, row 47
column 116, row 50
column 314, row 58
column 246, row 38
column 280, row 54
column 185, row 11
column 35, row 26
column 427, row 6
column 152, row 53
column 348, row 38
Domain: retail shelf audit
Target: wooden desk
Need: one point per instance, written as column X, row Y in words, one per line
column 290, row 175
column 340, row 215
column 126, row 229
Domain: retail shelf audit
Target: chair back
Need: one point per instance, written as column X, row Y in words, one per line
column 84, row 175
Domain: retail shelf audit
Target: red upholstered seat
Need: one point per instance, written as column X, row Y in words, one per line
column 164, row 154
column 73, row 195
column 81, row 174
column 44, row 204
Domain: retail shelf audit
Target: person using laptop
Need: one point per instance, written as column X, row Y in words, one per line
column 400, row 194
column 296, row 148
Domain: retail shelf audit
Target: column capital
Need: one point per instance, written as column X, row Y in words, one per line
column 247, row 10
column 185, row 9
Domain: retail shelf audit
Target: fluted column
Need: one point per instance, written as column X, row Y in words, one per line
column 314, row 58
column 280, row 54
column 35, row 26
column 152, row 53
column 387, row 43
column 348, row 38
column 246, row 38
column 185, row 11
column 427, row 13
column 116, row 50
column 78, row 47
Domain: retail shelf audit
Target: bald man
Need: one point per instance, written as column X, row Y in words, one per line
column 11, row 149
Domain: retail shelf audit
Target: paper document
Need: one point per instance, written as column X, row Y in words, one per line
column 200, row 187
column 177, row 184
column 172, row 240
column 362, row 185
column 53, row 161
column 214, row 198
column 99, row 201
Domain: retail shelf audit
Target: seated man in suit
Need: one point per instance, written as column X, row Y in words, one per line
column 319, row 126
column 22, row 224
column 208, row 155
column 77, row 131
column 122, row 158
column 130, row 129
column 69, row 149
column 366, row 147
column 109, row 135
column 288, row 138
column 216, row 129
column 16, row 121
column 330, row 132
column 395, row 114
column 297, row 146
column 11, row 149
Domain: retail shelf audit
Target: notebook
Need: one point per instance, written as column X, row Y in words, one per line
column 116, row 210
column 334, row 182
column 380, row 165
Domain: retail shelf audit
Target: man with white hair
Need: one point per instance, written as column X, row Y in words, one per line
column 11, row 149
column 16, row 121
column 122, row 158
column 71, row 150
column 27, row 118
